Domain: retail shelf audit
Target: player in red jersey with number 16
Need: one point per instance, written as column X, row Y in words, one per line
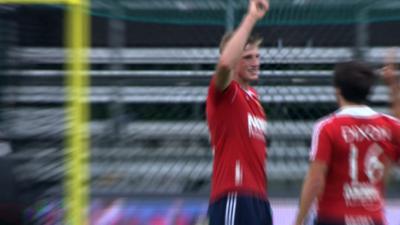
column 351, row 152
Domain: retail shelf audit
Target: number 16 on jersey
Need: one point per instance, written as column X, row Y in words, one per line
column 364, row 192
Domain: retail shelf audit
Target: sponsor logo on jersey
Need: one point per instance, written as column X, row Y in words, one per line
column 257, row 126
column 362, row 194
column 358, row 220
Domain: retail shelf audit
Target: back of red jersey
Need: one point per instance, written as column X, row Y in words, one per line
column 357, row 144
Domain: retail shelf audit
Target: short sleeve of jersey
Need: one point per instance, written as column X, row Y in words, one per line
column 321, row 147
column 216, row 96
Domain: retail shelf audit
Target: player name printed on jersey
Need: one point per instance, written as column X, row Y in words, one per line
column 257, row 126
column 369, row 132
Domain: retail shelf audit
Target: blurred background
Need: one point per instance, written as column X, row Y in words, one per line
column 151, row 62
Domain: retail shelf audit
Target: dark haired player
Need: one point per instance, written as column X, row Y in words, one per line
column 352, row 150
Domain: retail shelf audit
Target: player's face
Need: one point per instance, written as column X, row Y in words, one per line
column 249, row 64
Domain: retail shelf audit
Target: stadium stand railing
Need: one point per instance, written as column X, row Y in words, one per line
column 173, row 156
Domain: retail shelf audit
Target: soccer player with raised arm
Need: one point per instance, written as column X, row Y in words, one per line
column 237, row 126
column 352, row 150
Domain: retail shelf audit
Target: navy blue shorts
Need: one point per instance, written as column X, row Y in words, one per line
column 235, row 209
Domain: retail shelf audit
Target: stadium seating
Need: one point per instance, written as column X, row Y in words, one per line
column 172, row 155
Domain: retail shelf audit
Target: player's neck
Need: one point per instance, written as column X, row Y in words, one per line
column 343, row 103
column 244, row 84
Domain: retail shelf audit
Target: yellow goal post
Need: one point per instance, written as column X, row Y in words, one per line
column 77, row 37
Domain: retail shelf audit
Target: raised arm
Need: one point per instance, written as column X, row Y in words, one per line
column 389, row 76
column 233, row 49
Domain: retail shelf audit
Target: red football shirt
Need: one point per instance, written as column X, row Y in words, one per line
column 237, row 125
column 357, row 144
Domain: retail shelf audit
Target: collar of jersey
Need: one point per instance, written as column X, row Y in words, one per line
column 249, row 92
column 360, row 110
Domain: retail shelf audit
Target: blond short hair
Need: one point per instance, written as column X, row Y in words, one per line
column 253, row 39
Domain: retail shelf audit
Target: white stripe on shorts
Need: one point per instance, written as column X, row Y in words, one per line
column 228, row 201
column 230, row 209
column 234, row 209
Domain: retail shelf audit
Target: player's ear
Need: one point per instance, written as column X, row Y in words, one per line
column 338, row 95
